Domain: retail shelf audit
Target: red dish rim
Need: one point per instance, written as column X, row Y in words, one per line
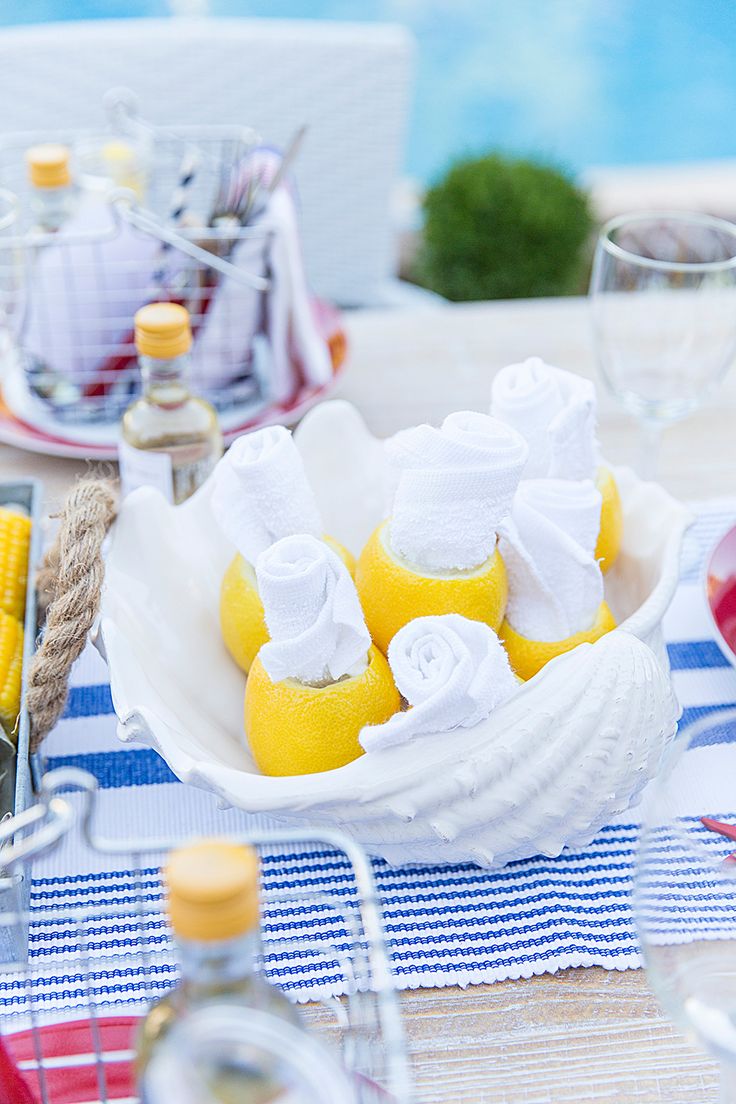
column 21, row 434
column 708, row 576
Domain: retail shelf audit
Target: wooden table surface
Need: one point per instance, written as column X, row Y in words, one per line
column 582, row 1034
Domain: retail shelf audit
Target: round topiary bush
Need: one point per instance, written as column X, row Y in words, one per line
column 499, row 228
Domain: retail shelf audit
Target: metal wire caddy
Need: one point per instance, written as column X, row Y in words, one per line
column 187, row 262
column 346, row 939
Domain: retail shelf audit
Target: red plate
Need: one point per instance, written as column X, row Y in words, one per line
column 721, row 593
column 68, row 1048
column 71, row 1073
column 22, row 434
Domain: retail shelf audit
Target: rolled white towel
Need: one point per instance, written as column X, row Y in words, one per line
column 318, row 633
column 287, row 264
column 548, row 547
column 261, row 492
column 272, row 247
column 453, row 487
column 555, row 412
column 452, row 671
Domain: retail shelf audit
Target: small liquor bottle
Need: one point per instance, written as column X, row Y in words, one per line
column 170, row 438
column 51, row 180
column 227, row 1054
column 213, row 906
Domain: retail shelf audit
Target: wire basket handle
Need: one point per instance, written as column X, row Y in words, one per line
column 69, row 583
column 123, row 202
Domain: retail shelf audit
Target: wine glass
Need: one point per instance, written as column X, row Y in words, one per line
column 685, row 887
column 663, row 296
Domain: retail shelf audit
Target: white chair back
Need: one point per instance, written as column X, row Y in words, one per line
column 349, row 82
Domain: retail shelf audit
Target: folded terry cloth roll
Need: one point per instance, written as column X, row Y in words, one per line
column 313, row 614
column 555, row 412
column 454, row 486
column 548, row 546
column 452, row 671
column 261, row 492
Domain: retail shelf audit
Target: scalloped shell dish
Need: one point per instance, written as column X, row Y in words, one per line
column 571, row 749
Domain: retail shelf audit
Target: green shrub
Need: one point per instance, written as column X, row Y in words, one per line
column 498, row 228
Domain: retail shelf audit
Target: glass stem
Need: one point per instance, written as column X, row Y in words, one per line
column 650, row 439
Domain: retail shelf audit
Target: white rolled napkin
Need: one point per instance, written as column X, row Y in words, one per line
column 555, row 412
column 453, row 487
column 75, row 326
column 548, row 547
column 223, row 345
column 261, row 492
column 452, row 671
column 315, row 622
column 272, row 248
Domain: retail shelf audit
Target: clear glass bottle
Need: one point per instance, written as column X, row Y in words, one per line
column 213, row 907
column 224, row 1054
column 170, row 438
column 52, row 194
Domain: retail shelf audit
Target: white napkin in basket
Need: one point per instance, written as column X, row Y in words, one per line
column 261, row 492
column 548, row 546
column 454, row 486
column 452, row 671
column 83, row 288
column 555, row 412
column 223, row 345
column 314, row 618
column 237, row 312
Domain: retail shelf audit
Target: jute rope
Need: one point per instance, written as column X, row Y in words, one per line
column 69, row 583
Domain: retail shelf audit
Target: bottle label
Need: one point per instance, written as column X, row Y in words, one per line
column 145, row 468
column 191, row 470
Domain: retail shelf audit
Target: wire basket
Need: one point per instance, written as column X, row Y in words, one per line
column 77, row 973
column 69, row 298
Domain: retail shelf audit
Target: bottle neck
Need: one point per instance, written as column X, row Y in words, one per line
column 52, row 207
column 207, row 965
column 164, row 381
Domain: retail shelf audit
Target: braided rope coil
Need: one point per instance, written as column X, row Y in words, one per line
column 70, row 583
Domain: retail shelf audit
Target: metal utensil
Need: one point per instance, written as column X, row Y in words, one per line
column 261, row 193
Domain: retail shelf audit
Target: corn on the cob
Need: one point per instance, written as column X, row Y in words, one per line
column 15, row 535
column 11, row 662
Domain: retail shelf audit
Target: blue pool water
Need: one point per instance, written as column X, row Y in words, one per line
column 582, row 82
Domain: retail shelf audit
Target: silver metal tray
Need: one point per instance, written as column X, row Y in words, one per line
column 18, row 770
column 16, row 787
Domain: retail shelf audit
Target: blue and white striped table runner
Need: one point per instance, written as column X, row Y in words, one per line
column 451, row 925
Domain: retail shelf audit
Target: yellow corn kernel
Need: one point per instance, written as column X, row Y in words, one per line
column 11, row 663
column 15, row 536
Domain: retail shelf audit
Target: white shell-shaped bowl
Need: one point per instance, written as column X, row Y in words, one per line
column 571, row 749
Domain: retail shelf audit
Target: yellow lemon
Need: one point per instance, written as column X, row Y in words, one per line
column 529, row 656
column 612, row 520
column 298, row 729
column 393, row 593
column 242, row 622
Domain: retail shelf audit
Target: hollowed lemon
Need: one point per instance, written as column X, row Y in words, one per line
column 612, row 520
column 392, row 592
column 529, row 656
column 298, row 729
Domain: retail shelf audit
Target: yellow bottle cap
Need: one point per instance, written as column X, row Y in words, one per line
column 162, row 330
column 118, row 153
column 48, row 166
column 212, row 890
